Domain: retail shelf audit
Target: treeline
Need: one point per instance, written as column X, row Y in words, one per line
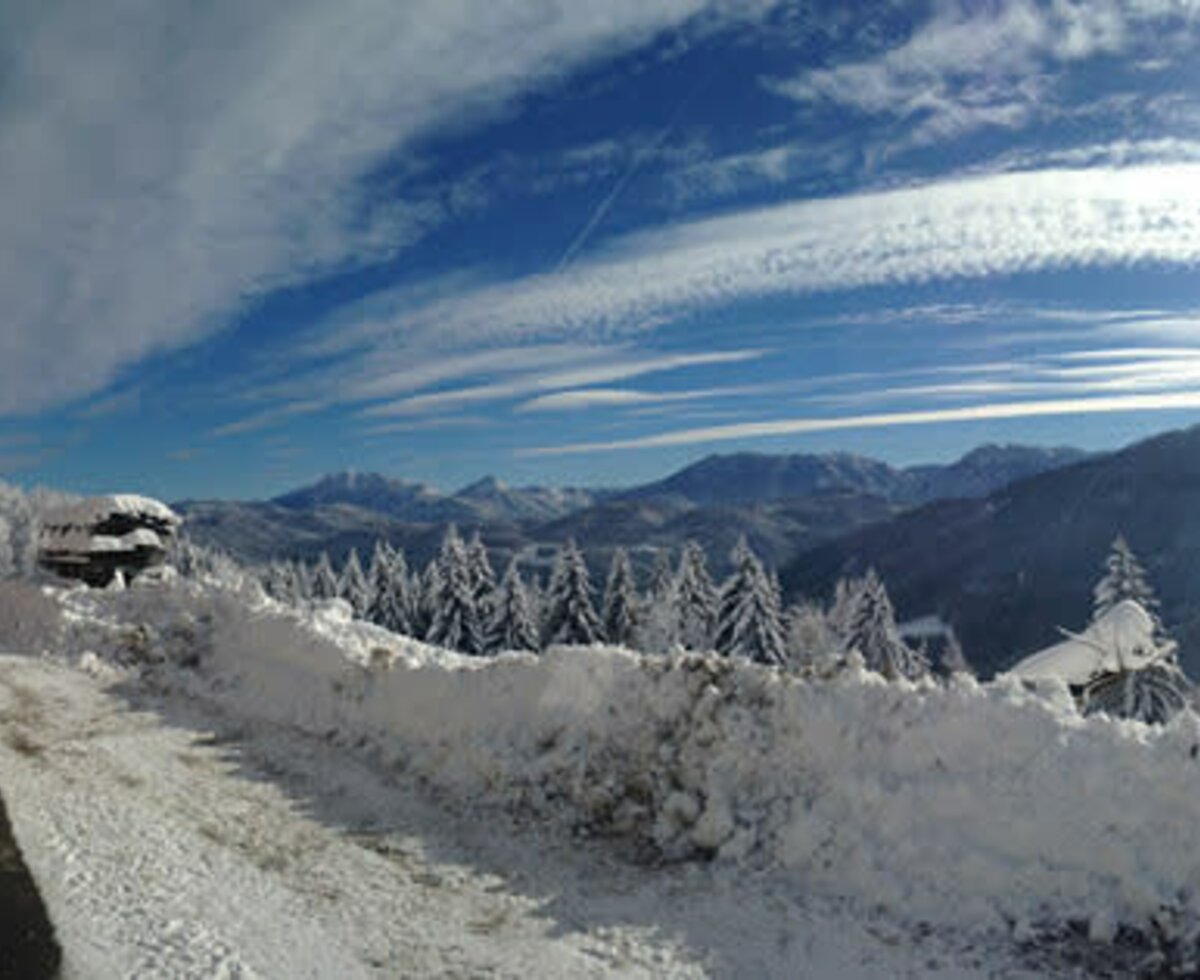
column 458, row 602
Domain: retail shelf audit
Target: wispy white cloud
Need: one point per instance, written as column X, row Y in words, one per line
column 1166, row 328
column 998, row 224
column 583, row 398
column 428, row 425
column 808, row 426
column 268, row 417
column 161, row 165
column 619, row 369
column 113, row 404
column 432, row 368
column 976, row 65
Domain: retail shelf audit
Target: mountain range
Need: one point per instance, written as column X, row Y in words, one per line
column 1003, row 544
column 1009, row 568
column 784, row 504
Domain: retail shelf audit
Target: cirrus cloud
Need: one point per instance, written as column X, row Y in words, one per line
column 989, row 225
column 164, row 165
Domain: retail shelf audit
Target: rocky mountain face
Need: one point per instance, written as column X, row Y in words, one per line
column 1009, row 568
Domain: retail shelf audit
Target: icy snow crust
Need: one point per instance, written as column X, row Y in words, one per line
column 981, row 806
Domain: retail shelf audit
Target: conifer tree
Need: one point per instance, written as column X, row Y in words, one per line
column 1125, row 578
column 429, row 595
column 749, row 620
column 811, row 641
column 695, row 599
column 456, row 624
column 301, row 581
column 871, row 630
column 658, row 631
column 570, row 616
column 483, row 579
column 514, row 624
column 1153, row 694
column 273, row 577
column 954, row 660
column 390, row 606
column 621, row 605
column 661, row 587
column 353, row 585
column 324, row 579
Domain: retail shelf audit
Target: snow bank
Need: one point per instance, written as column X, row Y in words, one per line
column 973, row 805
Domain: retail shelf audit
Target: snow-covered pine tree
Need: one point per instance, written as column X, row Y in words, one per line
column 621, row 603
column 661, row 586
column 658, row 631
column 514, row 623
column 570, row 616
column 429, row 591
column 841, row 610
column 812, row 643
column 1125, row 578
column 324, row 579
column 353, row 585
column 456, row 624
column 954, row 660
column 390, row 606
column 277, row 582
column 695, row 599
column 301, row 581
column 749, row 620
column 483, row 579
column 1154, row 694
column 871, row 630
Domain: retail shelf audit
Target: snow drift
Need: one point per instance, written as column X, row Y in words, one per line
column 973, row 805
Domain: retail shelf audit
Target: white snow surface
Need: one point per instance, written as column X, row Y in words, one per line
column 986, row 810
column 1121, row 639
column 95, row 509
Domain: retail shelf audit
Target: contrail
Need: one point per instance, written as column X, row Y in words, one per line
column 623, row 181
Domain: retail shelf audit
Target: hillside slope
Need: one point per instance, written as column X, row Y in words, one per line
column 1010, row 568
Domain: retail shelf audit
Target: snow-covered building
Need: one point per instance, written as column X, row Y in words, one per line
column 95, row 539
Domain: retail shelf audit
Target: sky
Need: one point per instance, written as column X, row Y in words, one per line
column 585, row 244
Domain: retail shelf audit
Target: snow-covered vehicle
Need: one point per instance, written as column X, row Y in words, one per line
column 96, row 539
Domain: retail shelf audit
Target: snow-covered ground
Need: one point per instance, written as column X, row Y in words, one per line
column 207, row 784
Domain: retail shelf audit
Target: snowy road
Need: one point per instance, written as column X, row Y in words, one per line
column 173, row 843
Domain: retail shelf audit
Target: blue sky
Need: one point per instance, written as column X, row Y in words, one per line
column 247, row 244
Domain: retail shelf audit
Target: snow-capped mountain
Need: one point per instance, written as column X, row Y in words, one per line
column 782, row 503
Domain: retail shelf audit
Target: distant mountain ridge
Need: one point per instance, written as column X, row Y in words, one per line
column 720, row 479
column 1008, row 569
column 740, row 478
column 487, row 499
column 782, row 504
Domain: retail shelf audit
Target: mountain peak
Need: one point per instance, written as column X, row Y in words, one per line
column 488, row 486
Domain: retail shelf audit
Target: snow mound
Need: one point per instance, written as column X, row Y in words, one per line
column 1121, row 639
column 970, row 805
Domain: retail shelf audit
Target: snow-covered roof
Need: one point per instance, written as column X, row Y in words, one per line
column 96, row 509
column 1121, row 639
column 80, row 541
